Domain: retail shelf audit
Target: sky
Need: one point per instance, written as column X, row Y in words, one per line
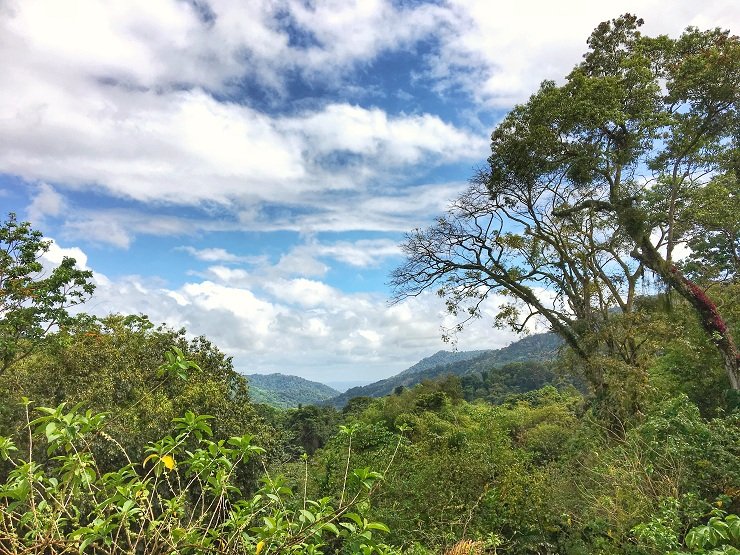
column 247, row 168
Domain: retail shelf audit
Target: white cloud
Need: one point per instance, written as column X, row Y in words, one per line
column 370, row 133
column 46, row 202
column 100, row 230
column 209, row 44
column 55, row 254
column 499, row 52
column 91, row 97
column 302, row 292
column 218, row 254
column 257, row 314
column 119, row 227
column 131, row 97
column 385, row 210
column 144, row 44
column 187, row 148
column 293, row 325
column 362, row 253
column 344, row 32
column 379, row 211
column 299, row 261
column 231, row 276
column 413, row 206
column 306, row 259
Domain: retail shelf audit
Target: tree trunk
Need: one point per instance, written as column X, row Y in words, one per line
column 709, row 316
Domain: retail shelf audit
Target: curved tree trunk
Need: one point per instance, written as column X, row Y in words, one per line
column 709, row 316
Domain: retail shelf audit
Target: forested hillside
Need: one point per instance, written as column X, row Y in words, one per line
column 533, row 349
column 280, row 390
column 119, row 436
column 441, row 358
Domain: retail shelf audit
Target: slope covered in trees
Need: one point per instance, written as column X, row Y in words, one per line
column 280, row 390
column 532, row 349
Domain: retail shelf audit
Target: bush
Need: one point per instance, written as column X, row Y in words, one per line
column 181, row 499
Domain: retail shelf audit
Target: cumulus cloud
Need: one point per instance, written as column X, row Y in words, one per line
column 187, row 148
column 147, row 44
column 308, row 328
column 218, row 254
column 209, row 44
column 371, row 133
column 347, row 32
column 55, row 254
column 295, row 325
column 130, row 98
column 146, row 100
column 500, row 52
column 46, row 202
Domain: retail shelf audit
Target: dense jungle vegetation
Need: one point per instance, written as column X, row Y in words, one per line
column 121, row 436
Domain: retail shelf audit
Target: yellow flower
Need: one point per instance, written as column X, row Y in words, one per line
column 260, row 546
column 168, row 461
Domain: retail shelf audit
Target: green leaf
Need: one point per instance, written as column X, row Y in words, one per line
column 378, row 526
column 307, row 515
column 331, row 527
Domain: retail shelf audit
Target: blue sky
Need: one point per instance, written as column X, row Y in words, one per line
column 247, row 169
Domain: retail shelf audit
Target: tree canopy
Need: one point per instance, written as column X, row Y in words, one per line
column 593, row 182
column 33, row 300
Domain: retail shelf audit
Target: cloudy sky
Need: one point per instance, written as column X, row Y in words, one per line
column 247, row 168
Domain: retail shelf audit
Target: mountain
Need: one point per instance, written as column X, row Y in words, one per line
column 441, row 358
column 283, row 391
column 344, row 385
column 535, row 348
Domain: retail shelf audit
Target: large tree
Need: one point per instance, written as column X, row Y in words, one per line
column 127, row 367
column 33, row 299
column 577, row 276
column 590, row 182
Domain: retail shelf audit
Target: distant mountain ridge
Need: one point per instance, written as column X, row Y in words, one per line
column 442, row 357
column 285, row 391
column 344, row 385
column 538, row 347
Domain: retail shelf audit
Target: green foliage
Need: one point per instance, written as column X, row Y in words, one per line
column 311, row 426
column 528, row 351
column 718, row 532
column 686, row 362
column 284, row 391
column 714, row 231
column 67, row 505
column 542, row 472
column 720, row 535
column 464, row 470
column 142, row 376
column 497, row 384
column 32, row 301
column 640, row 492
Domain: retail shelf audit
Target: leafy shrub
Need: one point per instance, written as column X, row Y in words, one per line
column 184, row 497
column 181, row 499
